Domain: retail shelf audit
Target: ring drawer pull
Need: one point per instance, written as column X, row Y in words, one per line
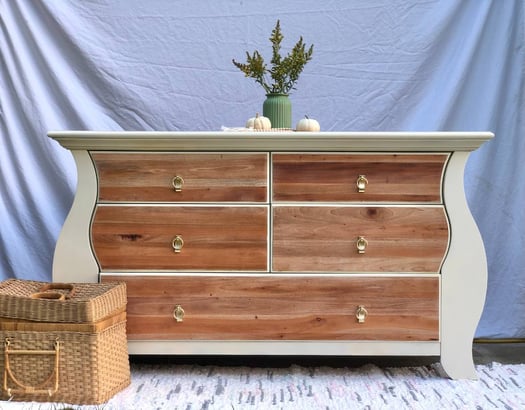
column 178, row 313
column 177, row 244
column 177, row 183
column 361, row 314
column 361, row 183
column 361, row 244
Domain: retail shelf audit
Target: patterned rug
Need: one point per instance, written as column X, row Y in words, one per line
column 193, row 387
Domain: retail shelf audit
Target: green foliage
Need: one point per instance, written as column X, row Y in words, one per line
column 284, row 72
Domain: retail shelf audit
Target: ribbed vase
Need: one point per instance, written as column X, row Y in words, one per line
column 278, row 108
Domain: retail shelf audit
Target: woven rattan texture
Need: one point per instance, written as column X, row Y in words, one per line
column 89, row 302
column 92, row 366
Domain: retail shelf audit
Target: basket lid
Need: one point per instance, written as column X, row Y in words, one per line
column 64, row 302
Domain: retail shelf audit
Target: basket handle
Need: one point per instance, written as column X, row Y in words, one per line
column 44, row 294
column 25, row 389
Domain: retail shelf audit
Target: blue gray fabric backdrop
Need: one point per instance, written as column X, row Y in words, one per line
column 378, row 65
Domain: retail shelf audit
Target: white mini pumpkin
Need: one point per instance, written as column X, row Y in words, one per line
column 308, row 124
column 259, row 123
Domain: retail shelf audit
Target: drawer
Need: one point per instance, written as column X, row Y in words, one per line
column 282, row 308
column 202, row 177
column 339, row 177
column 327, row 238
column 208, row 238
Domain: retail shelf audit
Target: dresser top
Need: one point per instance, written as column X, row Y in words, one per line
column 270, row 141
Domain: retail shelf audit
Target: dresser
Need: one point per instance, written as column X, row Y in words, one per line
column 281, row 243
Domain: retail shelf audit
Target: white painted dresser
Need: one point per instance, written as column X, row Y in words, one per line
column 281, row 243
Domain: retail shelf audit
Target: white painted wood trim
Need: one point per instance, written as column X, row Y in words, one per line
column 73, row 259
column 284, row 347
column 464, row 277
column 271, row 141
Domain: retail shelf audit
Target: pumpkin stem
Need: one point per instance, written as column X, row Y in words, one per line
column 306, row 116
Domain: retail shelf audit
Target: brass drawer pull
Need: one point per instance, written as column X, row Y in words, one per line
column 178, row 313
column 177, row 244
column 361, row 314
column 361, row 183
column 361, row 244
column 177, row 183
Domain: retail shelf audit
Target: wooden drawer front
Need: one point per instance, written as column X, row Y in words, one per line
column 325, row 239
column 206, row 177
column 282, row 308
column 334, row 177
column 214, row 238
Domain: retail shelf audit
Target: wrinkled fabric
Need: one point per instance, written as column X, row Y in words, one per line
column 378, row 65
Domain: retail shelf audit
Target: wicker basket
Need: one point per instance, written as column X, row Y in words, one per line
column 63, row 342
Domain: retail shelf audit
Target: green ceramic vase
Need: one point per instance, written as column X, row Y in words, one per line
column 278, row 108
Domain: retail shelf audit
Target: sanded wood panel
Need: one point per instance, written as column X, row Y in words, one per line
column 282, row 308
column 206, row 177
column 214, row 238
column 333, row 177
column 324, row 238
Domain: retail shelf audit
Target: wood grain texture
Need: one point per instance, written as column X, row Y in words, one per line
column 215, row 238
column 282, row 308
column 324, row 238
column 333, row 177
column 207, row 177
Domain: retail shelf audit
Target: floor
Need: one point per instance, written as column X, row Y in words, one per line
column 483, row 353
column 505, row 353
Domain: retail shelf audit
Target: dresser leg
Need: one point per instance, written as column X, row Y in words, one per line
column 463, row 277
column 459, row 364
